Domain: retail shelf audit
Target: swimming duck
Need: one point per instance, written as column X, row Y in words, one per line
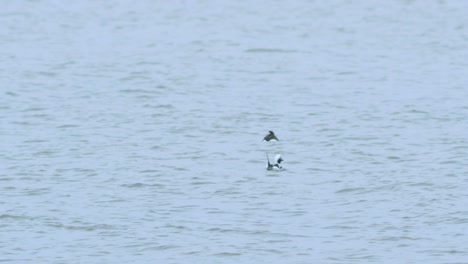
column 277, row 165
column 270, row 136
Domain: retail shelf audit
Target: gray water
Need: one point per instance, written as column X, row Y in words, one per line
column 131, row 131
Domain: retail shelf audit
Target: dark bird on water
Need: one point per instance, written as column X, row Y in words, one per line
column 270, row 136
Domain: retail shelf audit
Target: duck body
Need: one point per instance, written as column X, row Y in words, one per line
column 270, row 136
column 277, row 166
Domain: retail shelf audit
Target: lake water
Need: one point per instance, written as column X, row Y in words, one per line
column 131, row 131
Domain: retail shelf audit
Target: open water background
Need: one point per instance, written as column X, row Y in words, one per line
column 131, row 131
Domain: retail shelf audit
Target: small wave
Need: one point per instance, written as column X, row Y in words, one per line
column 348, row 190
column 266, row 50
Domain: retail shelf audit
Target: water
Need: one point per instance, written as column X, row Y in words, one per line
column 131, row 132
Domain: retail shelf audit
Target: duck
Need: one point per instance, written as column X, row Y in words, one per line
column 277, row 165
column 271, row 135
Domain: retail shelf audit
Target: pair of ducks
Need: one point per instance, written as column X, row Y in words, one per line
column 278, row 159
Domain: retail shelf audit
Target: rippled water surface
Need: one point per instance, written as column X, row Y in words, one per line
column 131, row 131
